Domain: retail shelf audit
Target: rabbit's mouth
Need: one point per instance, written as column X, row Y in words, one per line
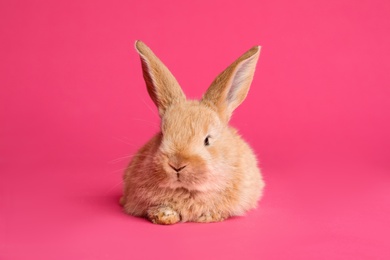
column 188, row 179
column 184, row 173
column 180, row 178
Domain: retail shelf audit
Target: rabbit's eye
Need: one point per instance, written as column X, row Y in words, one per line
column 206, row 141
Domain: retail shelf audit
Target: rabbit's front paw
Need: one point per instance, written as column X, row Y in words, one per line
column 211, row 217
column 163, row 215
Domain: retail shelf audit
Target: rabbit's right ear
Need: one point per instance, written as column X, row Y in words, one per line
column 162, row 86
column 230, row 88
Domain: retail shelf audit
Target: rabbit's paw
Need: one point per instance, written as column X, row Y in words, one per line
column 211, row 217
column 163, row 215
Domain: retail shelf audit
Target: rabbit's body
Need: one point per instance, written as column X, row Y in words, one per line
column 197, row 168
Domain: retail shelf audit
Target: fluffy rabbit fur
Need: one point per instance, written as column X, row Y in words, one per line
column 197, row 168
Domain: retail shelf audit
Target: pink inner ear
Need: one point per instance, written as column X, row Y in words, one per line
column 240, row 83
column 239, row 78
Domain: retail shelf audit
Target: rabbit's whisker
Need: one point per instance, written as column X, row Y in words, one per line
column 122, row 141
column 146, row 121
column 113, row 187
column 150, row 109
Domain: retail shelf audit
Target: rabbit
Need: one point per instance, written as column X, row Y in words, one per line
column 197, row 168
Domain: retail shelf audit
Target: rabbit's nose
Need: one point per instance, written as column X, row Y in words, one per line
column 177, row 168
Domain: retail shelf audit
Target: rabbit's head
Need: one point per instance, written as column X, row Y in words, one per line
column 195, row 141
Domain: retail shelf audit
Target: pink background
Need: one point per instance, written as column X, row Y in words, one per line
column 74, row 108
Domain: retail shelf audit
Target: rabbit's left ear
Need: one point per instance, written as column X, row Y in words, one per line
column 162, row 86
column 230, row 88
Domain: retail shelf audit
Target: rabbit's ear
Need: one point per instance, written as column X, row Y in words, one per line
column 230, row 88
column 162, row 86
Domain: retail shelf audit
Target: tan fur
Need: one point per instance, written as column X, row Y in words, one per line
column 175, row 176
